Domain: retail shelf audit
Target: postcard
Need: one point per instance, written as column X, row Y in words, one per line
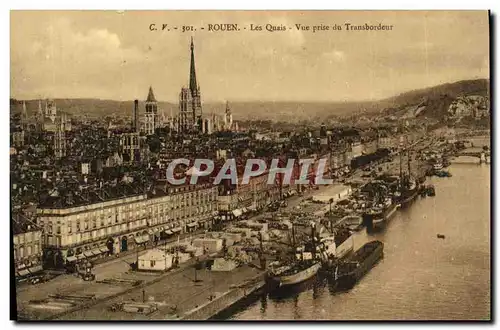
column 250, row 165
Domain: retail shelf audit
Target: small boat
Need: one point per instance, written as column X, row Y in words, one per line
column 442, row 174
column 349, row 272
column 441, row 236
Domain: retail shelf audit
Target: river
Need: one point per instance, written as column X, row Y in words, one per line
column 421, row 277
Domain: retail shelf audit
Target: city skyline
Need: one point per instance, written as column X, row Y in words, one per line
column 122, row 57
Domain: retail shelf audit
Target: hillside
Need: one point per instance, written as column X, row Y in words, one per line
column 432, row 102
column 464, row 87
column 436, row 100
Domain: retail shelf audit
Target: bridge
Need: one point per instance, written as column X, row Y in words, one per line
column 483, row 155
column 479, row 154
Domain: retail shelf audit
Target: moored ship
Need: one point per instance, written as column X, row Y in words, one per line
column 295, row 273
column 349, row 272
column 302, row 267
column 408, row 186
column 438, row 166
column 408, row 191
column 381, row 215
column 353, row 221
column 337, row 245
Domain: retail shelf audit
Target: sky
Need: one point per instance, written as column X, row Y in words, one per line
column 114, row 54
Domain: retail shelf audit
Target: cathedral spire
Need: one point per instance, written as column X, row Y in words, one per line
column 192, row 72
column 151, row 95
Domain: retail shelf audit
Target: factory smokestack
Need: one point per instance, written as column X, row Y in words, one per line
column 135, row 119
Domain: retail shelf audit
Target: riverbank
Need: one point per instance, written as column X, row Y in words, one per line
column 421, row 277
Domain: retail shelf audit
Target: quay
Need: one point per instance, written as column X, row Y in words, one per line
column 175, row 295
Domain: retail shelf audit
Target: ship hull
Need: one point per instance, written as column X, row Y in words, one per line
column 408, row 199
column 289, row 280
column 380, row 221
column 347, row 280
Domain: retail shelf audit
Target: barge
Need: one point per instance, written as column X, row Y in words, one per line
column 349, row 272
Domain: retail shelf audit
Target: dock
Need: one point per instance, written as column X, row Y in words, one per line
column 176, row 295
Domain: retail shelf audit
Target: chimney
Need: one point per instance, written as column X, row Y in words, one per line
column 135, row 119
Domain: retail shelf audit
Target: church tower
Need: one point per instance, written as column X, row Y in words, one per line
column 50, row 110
column 190, row 113
column 151, row 117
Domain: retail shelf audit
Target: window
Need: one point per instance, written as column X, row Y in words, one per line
column 152, row 263
column 21, row 252
column 69, row 229
column 78, row 226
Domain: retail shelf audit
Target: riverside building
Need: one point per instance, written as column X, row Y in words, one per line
column 72, row 232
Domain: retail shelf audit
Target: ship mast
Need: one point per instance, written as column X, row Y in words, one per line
column 313, row 234
column 409, row 162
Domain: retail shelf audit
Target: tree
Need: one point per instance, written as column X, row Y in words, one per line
column 154, row 143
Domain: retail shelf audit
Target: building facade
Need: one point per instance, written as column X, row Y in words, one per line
column 130, row 145
column 28, row 252
column 120, row 225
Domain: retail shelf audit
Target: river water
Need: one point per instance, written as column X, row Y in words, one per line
column 421, row 277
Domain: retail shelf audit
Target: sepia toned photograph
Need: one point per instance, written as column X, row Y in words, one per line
column 250, row 165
